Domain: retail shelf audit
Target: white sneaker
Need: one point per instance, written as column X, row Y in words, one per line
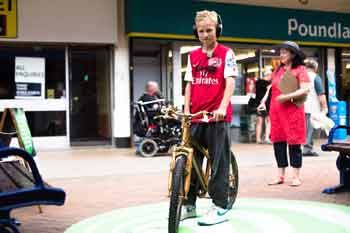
column 188, row 211
column 214, row 216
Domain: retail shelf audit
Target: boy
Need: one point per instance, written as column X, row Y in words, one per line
column 210, row 80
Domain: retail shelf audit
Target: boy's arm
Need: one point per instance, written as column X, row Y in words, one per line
column 220, row 113
column 321, row 94
column 323, row 103
column 230, row 72
column 187, row 97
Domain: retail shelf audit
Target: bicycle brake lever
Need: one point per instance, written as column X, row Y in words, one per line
column 206, row 116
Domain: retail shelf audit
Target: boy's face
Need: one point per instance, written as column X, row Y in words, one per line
column 206, row 30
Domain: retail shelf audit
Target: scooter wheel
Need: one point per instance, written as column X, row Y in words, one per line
column 148, row 148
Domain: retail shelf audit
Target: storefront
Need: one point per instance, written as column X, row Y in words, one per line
column 342, row 71
column 56, row 62
column 247, row 30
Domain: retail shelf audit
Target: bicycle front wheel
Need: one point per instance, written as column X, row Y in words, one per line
column 233, row 181
column 177, row 194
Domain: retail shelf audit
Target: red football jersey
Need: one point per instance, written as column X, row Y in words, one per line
column 207, row 75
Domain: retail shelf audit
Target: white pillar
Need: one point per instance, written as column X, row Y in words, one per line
column 177, row 79
column 331, row 60
column 121, row 110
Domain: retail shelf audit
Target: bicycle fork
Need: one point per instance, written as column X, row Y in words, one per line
column 181, row 151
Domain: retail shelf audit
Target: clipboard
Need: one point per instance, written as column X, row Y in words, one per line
column 288, row 84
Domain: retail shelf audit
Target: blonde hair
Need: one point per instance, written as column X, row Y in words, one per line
column 205, row 14
column 311, row 63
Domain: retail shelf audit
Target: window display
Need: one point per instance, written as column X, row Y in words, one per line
column 29, row 77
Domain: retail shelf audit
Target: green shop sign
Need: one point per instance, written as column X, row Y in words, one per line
column 242, row 23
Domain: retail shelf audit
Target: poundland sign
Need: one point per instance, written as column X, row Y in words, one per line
column 242, row 23
column 335, row 30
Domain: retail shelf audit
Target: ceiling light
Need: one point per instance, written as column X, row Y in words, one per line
column 253, row 70
column 187, row 49
column 243, row 56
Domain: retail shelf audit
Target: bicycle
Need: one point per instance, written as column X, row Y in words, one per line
column 183, row 160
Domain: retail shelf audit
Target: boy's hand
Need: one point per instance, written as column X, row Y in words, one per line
column 219, row 114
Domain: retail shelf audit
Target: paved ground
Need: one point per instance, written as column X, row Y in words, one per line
column 98, row 180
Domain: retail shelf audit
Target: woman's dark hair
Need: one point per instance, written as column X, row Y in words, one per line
column 297, row 60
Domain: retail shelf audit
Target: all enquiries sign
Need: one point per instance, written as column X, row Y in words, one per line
column 30, row 78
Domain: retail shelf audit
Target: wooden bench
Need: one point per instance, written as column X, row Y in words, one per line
column 22, row 187
column 343, row 161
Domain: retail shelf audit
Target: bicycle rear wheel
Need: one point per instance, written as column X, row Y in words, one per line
column 233, row 181
column 177, row 194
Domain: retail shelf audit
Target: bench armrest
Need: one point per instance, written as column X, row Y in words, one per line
column 331, row 135
column 10, row 151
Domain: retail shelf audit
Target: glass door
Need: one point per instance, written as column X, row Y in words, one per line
column 90, row 102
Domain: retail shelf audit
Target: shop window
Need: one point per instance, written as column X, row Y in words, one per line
column 248, row 67
column 344, row 82
column 43, row 124
column 48, row 64
column 53, row 59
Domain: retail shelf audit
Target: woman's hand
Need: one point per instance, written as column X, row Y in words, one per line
column 282, row 98
column 261, row 107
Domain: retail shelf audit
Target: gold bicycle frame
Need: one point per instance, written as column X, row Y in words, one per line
column 187, row 148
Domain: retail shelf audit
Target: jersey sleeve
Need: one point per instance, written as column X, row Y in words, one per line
column 318, row 85
column 188, row 74
column 231, row 69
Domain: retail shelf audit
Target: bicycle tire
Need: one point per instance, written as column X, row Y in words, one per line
column 233, row 182
column 176, row 196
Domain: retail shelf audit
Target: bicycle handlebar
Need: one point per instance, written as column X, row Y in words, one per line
column 173, row 111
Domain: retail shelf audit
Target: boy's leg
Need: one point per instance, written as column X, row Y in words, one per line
column 218, row 138
column 197, row 133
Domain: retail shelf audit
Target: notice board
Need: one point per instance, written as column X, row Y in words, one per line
column 14, row 119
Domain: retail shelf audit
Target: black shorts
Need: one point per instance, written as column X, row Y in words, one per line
column 262, row 113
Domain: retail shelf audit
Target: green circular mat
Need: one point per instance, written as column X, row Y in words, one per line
column 247, row 216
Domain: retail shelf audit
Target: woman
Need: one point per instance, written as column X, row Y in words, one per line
column 262, row 85
column 287, row 119
column 264, row 98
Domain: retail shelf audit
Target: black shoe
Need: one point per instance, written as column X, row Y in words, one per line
column 311, row 154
